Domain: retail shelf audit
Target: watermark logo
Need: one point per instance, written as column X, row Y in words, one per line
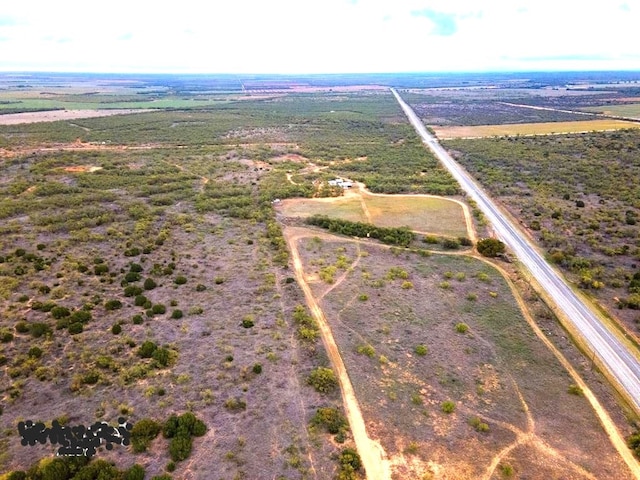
column 77, row 440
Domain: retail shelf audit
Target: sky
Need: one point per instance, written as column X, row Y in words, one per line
column 318, row 36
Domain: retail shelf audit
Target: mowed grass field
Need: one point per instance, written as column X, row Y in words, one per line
column 434, row 215
column 422, row 214
column 344, row 208
column 631, row 110
column 448, row 374
column 548, row 128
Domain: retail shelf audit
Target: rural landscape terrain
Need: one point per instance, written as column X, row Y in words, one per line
column 272, row 277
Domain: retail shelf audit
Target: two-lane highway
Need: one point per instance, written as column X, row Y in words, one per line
column 612, row 353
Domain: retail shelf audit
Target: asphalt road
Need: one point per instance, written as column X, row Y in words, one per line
column 613, row 355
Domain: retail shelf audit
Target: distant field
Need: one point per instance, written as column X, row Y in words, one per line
column 631, row 110
column 532, row 129
column 434, row 215
column 28, row 104
column 55, row 115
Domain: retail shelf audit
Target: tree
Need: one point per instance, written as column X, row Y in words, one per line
column 490, row 247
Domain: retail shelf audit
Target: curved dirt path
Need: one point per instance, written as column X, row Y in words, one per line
column 526, row 438
column 373, row 457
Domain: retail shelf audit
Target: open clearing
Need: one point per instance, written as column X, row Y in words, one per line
column 549, row 128
column 632, row 110
column 511, row 408
column 427, row 214
column 55, row 115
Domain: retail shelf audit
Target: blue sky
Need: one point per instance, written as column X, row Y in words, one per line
column 319, row 36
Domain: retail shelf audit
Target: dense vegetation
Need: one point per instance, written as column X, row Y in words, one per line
column 580, row 197
column 402, row 236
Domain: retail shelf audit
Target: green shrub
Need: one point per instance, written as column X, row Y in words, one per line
column 80, row 316
column 135, row 267
column 478, row 424
column 100, row 269
column 462, row 327
column 367, row 350
column 158, row 309
column 150, row 284
column 450, row 244
column 140, row 301
column 235, row 404
column 490, row 247
column 63, row 323
column 448, row 406
column 247, row 322
column 170, row 427
column 39, row 329
column 180, row 280
column 575, row 390
column 137, row 319
column 136, row 472
column 60, row 312
column 180, row 447
column 17, row 475
column 162, row 356
column 22, row 327
column 464, row 241
column 257, row 368
column 330, row 419
column 177, row 314
column 35, row 352
column 421, row 350
column 76, row 328
column 323, row 380
column 350, row 457
column 506, row 469
column 143, row 432
column 132, row 276
column 146, row 349
column 112, row 305
column 116, row 329
column 171, row 466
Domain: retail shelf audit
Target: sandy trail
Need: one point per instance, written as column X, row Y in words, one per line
column 373, row 457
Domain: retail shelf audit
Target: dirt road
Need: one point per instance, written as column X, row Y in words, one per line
column 371, row 452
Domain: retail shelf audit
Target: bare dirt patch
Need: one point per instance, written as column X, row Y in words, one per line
column 81, row 168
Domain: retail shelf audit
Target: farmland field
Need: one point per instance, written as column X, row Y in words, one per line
column 627, row 110
column 552, row 128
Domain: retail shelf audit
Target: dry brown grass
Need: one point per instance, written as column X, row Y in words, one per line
column 549, row 128
column 498, row 371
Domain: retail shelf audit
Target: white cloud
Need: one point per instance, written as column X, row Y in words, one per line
column 332, row 35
